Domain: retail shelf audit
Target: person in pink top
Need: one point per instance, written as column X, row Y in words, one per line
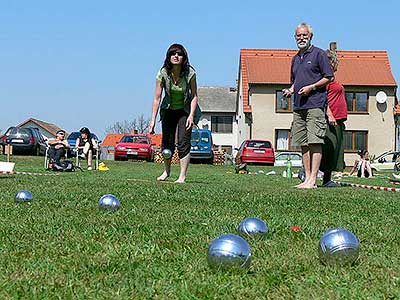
column 333, row 148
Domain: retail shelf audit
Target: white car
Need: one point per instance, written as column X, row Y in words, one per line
column 389, row 160
column 282, row 158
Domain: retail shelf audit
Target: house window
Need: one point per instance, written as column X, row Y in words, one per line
column 282, row 140
column 355, row 140
column 283, row 104
column 221, row 124
column 357, row 102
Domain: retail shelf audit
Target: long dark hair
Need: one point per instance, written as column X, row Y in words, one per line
column 185, row 63
column 88, row 134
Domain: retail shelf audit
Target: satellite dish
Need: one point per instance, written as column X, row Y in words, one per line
column 381, row 97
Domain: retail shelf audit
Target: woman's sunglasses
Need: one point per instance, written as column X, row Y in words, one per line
column 173, row 53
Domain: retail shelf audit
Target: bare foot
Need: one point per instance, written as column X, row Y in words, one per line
column 300, row 185
column 307, row 186
column 163, row 176
column 179, row 180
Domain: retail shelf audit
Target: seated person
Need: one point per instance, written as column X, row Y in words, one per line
column 57, row 148
column 362, row 165
column 85, row 146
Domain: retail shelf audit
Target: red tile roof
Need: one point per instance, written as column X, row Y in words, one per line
column 112, row 139
column 156, row 139
column 272, row 66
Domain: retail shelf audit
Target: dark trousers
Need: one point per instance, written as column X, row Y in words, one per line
column 56, row 154
column 174, row 128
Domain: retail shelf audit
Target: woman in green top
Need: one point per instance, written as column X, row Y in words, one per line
column 178, row 110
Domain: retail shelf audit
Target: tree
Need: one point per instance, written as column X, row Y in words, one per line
column 139, row 124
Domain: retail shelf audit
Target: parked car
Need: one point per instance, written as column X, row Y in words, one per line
column 24, row 140
column 202, row 146
column 389, row 160
column 255, row 151
column 72, row 141
column 282, row 157
column 134, row 146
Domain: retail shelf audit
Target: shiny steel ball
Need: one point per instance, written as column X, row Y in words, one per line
column 338, row 246
column 167, row 154
column 253, row 227
column 229, row 251
column 109, row 202
column 23, row 196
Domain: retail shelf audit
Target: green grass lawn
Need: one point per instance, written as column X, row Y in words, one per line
column 60, row 246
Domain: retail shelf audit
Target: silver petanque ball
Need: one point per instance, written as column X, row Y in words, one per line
column 167, row 154
column 23, row 196
column 109, row 202
column 338, row 246
column 229, row 251
column 253, row 227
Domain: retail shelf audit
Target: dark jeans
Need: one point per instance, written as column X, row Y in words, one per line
column 56, row 154
column 174, row 126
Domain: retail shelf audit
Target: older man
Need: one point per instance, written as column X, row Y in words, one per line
column 58, row 146
column 310, row 73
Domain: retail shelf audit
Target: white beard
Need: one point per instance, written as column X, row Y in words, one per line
column 304, row 46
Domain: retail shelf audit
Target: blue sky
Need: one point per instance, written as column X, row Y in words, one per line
column 93, row 63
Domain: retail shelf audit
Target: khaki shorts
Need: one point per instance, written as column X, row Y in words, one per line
column 308, row 127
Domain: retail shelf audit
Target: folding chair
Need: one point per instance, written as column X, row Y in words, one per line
column 47, row 157
column 95, row 156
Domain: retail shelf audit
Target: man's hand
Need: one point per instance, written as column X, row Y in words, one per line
column 305, row 90
column 287, row 93
column 332, row 120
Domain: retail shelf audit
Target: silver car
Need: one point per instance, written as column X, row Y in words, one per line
column 282, row 158
column 389, row 160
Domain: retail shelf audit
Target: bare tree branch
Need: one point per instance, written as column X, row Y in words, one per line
column 139, row 124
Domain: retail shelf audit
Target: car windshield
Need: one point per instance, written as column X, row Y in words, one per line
column 259, row 144
column 134, row 139
column 282, row 157
column 295, row 157
column 19, row 132
column 74, row 136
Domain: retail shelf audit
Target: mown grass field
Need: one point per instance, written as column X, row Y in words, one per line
column 60, row 246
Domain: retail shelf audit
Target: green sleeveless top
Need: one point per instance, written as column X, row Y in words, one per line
column 177, row 96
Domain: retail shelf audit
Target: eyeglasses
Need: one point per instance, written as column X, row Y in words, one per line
column 173, row 53
column 61, row 133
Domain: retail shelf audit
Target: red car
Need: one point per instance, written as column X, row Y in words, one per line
column 134, row 146
column 255, row 151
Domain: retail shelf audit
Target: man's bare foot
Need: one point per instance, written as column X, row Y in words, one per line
column 307, row 186
column 163, row 176
column 179, row 180
column 300, row 185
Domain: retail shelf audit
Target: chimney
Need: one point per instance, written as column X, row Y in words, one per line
column 332, row 46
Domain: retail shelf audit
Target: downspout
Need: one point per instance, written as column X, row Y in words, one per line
column 250, row 117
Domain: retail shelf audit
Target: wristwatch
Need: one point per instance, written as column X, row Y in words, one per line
column 313, row 87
